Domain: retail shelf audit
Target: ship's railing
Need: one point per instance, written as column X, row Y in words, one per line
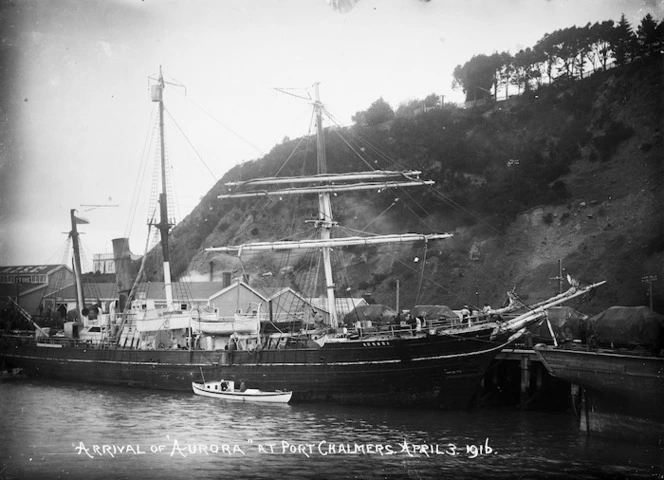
column 28, row 338
column 431, row 326
column 383, row 330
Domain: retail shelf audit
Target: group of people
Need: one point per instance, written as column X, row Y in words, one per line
column 467, row 316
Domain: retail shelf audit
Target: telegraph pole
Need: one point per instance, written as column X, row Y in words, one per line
column 559, row 277
column 648, row 281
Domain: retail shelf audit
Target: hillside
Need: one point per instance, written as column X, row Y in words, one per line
column 586, row 189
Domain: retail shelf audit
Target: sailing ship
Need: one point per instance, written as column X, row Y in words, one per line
column 437, row 367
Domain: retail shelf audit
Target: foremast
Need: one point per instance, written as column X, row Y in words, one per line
column 323, row 184
column 164, row 224
column 73, row 234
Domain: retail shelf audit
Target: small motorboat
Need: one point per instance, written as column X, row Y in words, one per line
column 225, row 389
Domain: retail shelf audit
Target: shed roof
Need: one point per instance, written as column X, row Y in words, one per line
column 235, row 285
column 31, row 269
column 199, row 291
column 102, row 291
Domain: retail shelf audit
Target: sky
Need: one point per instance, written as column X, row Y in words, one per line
column 75, row 108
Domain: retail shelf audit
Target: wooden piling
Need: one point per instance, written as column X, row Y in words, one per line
column 525, row 380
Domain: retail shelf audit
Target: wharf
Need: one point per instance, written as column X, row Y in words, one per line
column 518, row 377
column 518, row 354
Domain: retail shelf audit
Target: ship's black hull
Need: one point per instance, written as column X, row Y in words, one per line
column 622, row 393
column 436, row 371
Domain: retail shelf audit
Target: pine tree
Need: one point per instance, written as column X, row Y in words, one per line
column 623, row 41
column 648, row 42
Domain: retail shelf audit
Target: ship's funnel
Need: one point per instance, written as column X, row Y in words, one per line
column 122, row 258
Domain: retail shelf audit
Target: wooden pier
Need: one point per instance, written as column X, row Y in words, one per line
column 518, row 377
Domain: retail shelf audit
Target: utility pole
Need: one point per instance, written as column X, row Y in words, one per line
column 559, row 277
column 512, row 162
column 648, row 281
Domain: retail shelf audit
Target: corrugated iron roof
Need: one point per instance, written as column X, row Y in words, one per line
column 235, row 285
column 200, row 291
column 30, row 269
column 103, row 291
column 9, row 289
column 343, row 305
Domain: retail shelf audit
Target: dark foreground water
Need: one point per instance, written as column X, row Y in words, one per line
column 53, row 430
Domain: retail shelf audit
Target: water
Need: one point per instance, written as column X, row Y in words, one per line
column 56, row 430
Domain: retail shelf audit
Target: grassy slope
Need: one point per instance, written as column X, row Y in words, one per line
column 611, row 227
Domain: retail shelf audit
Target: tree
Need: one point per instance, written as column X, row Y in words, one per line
column 623, row 41
column 568, row 47
column 379, row 112
column 549, row 49
column 647, row 40
column 526, row 67
column 432, row 100
column 475, row 77
column 584, row 41
column 600, row 47
column 503, row 71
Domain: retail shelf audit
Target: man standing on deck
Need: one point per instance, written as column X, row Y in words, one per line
column 465, row 315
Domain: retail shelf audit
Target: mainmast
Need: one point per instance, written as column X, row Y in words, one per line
column 164, row 225
column 323, row 184
column 325, row 221
column 80, row 300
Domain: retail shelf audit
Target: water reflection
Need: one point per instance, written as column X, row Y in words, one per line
column 53, row 430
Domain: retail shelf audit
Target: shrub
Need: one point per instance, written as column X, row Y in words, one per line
column 615, row 134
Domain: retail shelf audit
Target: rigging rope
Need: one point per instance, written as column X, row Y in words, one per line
column 228, row 128
column 423, row 220
column 192, row 146
column 381, row 153
column 465, row 210
column 384, row 155
column 429, row 279
column 139, row 275
column 297, row 146
column 381, row 214
column 355, row 151
column 142, row 168
column 424, row 261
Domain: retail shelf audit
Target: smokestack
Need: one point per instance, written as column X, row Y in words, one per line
column 211, row 271
column 122, row 259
